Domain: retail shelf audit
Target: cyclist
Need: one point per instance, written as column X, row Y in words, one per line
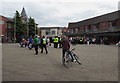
column 65, row 46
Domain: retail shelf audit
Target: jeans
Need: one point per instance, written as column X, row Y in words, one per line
column 36, row 48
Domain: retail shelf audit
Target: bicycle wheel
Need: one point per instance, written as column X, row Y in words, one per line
column 77, row 59
column 67, row 61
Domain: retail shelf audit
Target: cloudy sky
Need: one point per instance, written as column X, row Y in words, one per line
column 58, row 12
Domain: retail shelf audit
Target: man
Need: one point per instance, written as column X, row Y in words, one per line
column 36, row 44
column 43, row 44
column 81, row 40
column 30, row 43
column 56, row 42
column 60, row 44
column 65, row 45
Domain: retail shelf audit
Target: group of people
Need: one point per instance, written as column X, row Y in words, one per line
column 61, row 42
column 42, row 42
column 89, row 40
column 36, row 43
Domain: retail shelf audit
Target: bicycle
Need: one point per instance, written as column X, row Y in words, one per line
column 70, row 56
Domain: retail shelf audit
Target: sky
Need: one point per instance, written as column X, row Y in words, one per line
column 58, row 13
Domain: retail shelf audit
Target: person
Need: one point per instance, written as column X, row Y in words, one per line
column 36, row 44
column 43, row 45
column 30, row 43
column 81, row 40
column 25, row 42
column 88, row 41
column 51, row 41
column 56, row 42
column 106, row 41
column 60, row 45
column 65, row 47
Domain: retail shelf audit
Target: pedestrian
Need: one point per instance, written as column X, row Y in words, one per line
column 51, row 41
column 88, row 41
column 25, row 43
column 43, row 44
column 106, row 41
column 56, row 42
column 60, row 44
column 30, row 43
column 81, row 40
column 36, row 44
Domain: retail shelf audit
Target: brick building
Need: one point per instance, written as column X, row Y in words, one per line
column 107, row 25
column 6, row 29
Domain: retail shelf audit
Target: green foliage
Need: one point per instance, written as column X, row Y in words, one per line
column 32, row 27
column 20, row 26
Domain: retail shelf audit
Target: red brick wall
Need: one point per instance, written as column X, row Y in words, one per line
column 118, row 22
column 3, row 26
column 81, row 28
column 104, row 25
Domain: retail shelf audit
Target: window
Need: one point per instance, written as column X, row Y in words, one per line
column 94, row 28
column 9, row 25
column 47, row 32
column 86, row 28
column 1, row 22
column 110, row 24
column 53, row 32
column 114, row 23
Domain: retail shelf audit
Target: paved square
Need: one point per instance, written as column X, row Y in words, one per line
column 99, row 63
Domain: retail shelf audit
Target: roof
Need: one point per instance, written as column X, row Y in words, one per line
column 50, row 27
column 2, row 16
column 23, row 13
column 9, row 18
column 103, row 18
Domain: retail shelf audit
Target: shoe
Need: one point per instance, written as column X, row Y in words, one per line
column 46, row 52
column 74, row 60
column 36, row 54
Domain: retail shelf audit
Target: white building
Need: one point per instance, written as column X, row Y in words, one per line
column 50, row 31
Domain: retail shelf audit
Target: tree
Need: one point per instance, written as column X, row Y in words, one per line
column 32, row 27
column 20, row 27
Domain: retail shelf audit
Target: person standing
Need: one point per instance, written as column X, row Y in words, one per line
column 81, row 40
column 60, row 44
column 43, row 45
column 30, row 43
column 88, row 41
column 36, row 44
column 56, row 42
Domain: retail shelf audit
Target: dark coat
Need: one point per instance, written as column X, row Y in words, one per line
column 65, row 44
